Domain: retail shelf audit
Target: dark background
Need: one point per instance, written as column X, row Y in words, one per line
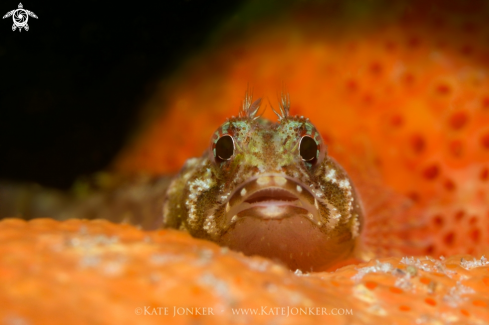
column 71, row 86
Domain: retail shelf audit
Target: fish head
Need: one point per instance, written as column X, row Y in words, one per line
column 270, row 189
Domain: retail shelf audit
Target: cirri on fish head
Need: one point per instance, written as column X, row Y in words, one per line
column 268, row 189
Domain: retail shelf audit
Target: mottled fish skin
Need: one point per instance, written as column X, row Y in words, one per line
column 198, row 199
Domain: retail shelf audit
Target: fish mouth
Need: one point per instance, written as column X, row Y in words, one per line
column 272, row 196
column 278, row 217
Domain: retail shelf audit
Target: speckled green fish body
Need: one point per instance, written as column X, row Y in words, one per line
column 268, row 189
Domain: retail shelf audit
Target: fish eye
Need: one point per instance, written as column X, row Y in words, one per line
column 308, row 148
column 224, row 147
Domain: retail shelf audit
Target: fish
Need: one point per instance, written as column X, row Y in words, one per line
column 269, row 189
column 261, row 188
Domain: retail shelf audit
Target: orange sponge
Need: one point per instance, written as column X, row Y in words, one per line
column 400, row 95
column 96, row 272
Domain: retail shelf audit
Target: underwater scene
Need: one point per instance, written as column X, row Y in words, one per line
column 308, row 162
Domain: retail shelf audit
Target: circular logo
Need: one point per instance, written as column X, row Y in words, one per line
column 20, row 18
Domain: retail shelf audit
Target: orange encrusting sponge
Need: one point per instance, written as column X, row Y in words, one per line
column 97, row 272
column 402, row 100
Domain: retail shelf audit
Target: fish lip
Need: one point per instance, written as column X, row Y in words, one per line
column 299, row 196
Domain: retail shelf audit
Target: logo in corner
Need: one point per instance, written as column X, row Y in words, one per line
column 20, row 17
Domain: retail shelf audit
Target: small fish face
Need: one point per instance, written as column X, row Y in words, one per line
column 269, row 168
column 269, row 189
